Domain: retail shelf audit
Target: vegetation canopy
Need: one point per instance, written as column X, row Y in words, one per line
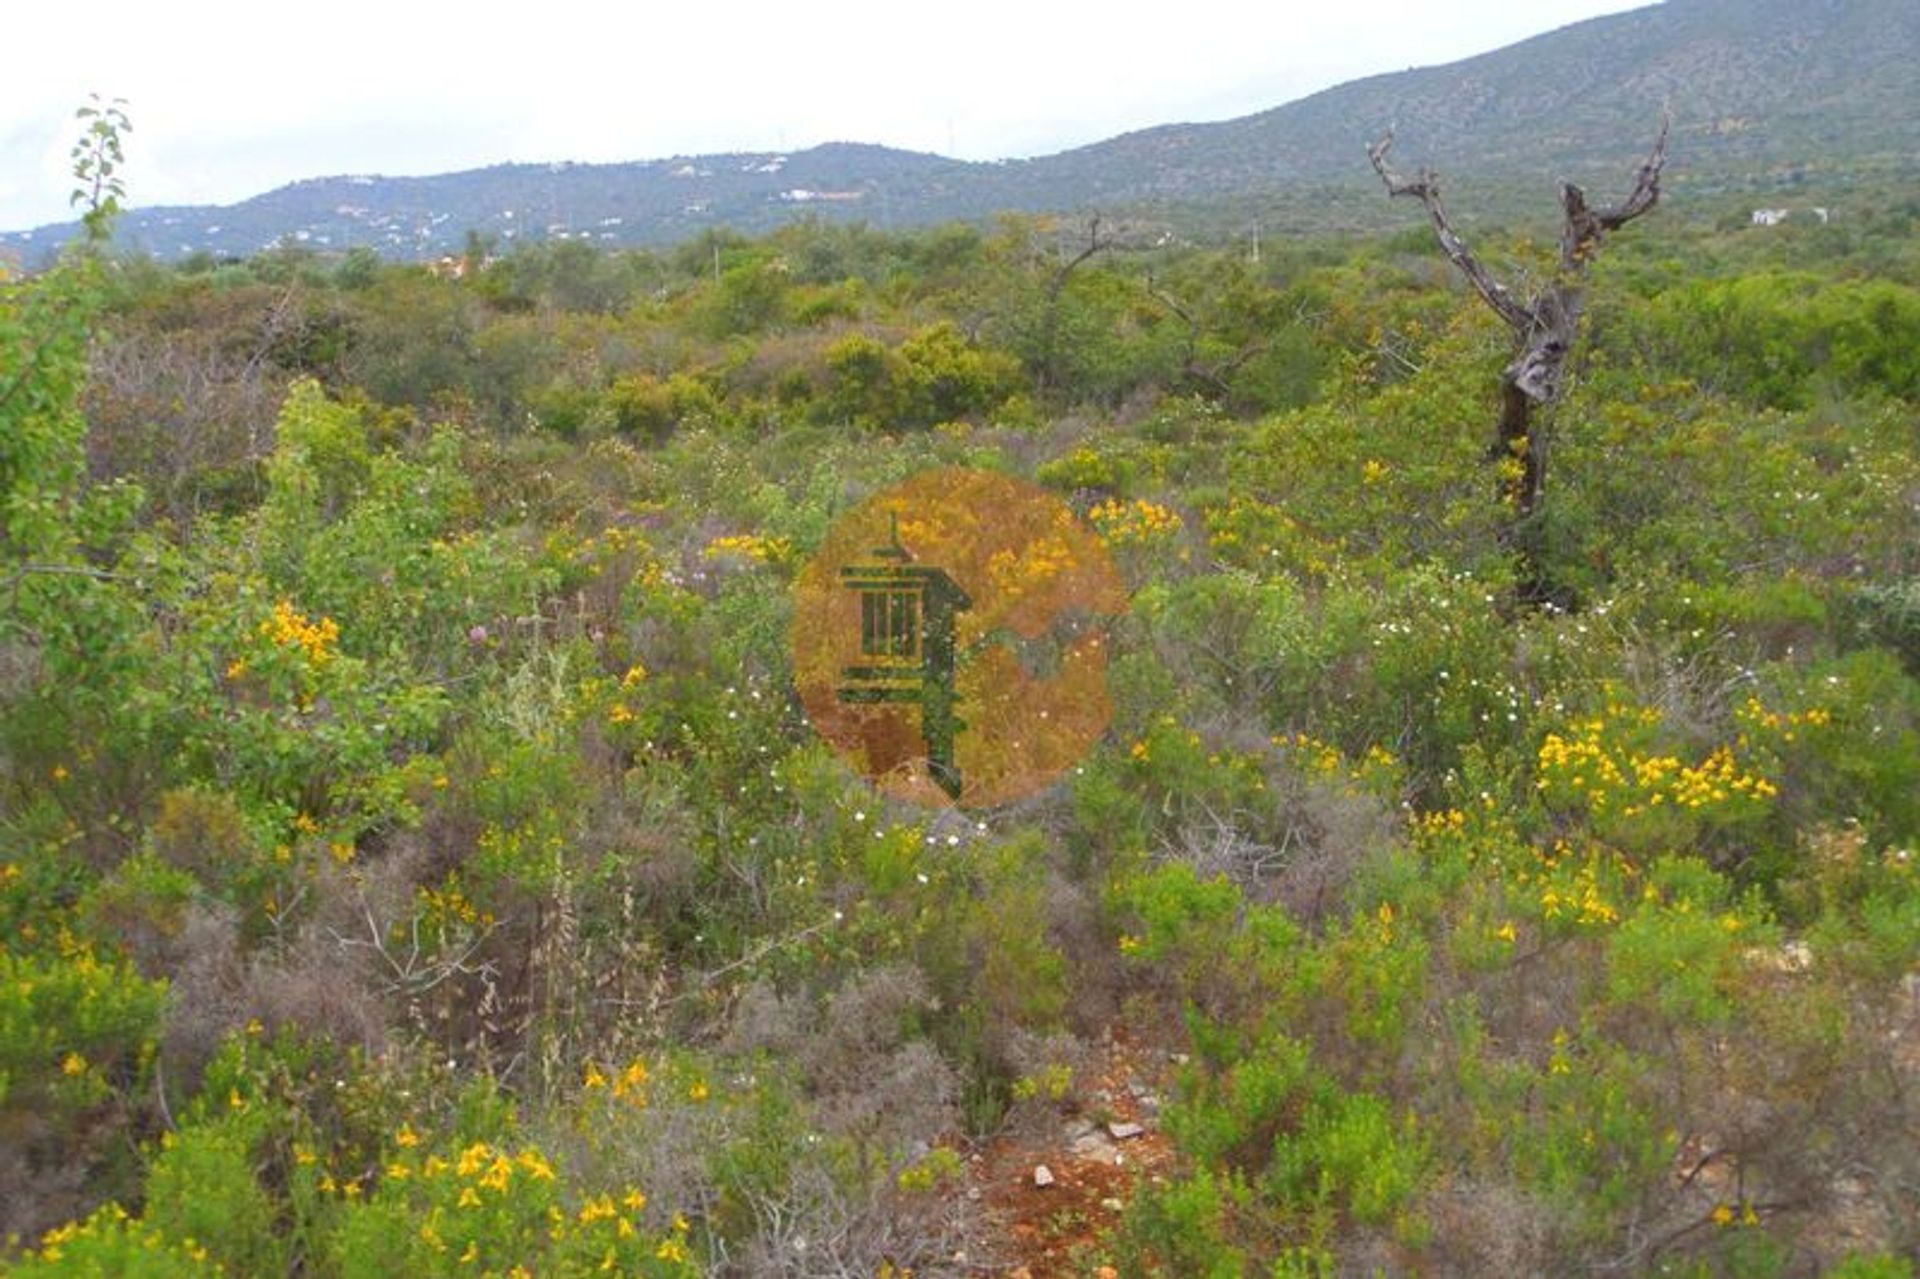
column 416, row 857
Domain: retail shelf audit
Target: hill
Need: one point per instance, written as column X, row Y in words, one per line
column 1763, row 92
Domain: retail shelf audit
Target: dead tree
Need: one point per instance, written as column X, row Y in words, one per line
column 1047, row 370
column 1545, row 327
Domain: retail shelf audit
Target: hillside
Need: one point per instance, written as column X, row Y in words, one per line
column 1754, row 85
column 1776, row 91
column 848, row 753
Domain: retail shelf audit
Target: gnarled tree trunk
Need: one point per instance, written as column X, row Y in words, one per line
column 1545, row 328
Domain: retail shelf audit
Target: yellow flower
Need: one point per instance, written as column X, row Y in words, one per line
column 698, row 1090
column 498, row 1175
column 290, row 628
column 60, row 773
column 632, row 1081
column 406, row 1137
column 750, row 546
column 1723, row 1215
column 75, row 1064
column 635, row 1201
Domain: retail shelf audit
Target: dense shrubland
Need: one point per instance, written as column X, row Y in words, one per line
column 413, row 859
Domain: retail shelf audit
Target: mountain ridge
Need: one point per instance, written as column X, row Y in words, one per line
column 1755, row 87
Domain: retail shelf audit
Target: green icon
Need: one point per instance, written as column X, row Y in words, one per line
column 907, row 648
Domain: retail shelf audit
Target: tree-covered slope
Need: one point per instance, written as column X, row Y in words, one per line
column 1763, row 92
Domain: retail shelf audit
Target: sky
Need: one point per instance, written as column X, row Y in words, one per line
column 230, row 99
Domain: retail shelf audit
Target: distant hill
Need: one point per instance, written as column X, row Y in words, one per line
column 1785, row 88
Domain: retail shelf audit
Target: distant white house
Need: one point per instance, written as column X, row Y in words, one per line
column 801, row 195
column 1774, row 217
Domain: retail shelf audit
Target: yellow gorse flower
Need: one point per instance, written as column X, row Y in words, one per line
column 751, row 546
column 1135, row 523
column 1594, row 766
column 632, row 1083
column 290, row 628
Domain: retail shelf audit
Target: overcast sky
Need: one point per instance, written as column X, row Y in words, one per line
column 230, row 98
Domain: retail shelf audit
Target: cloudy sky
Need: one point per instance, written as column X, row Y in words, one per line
column 230, row 98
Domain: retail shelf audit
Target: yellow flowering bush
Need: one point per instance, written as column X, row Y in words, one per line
column 750, row 546
column 494, row 1209
column 292, row 629
column 70, row 1024
column 1573, row 890
column 112, row 1243
column 1610, row 768
column 1135, row 523
column 1030, row 570
column 1376, row 772
column 1263, row 537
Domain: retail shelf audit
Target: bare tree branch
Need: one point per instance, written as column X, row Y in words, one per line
column 1586, row 226
column 1096, row 243
column 1425, row 187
